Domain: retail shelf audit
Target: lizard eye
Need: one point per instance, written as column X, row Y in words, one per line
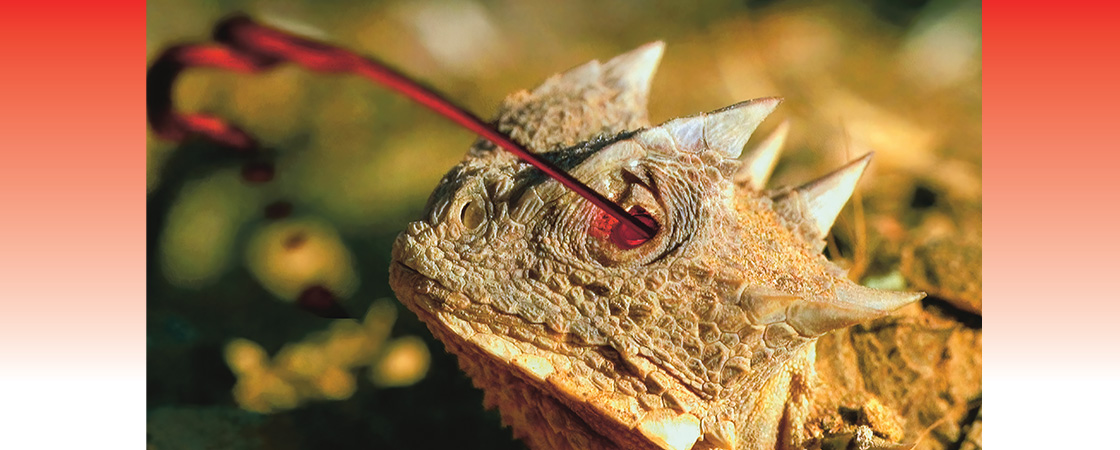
column 614, row 242
column 621, row 235
column 472, row 215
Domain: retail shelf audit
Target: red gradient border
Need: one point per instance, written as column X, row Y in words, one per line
column 1050, row 249
column 72, row 188
column 72, row 290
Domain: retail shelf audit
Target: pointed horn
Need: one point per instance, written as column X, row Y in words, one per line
column 854, row 304
column 725, row 130
column 729, row 129
column 632, row 72
column 816, row 318
column 882, row 300
column 618, row 89
column 759, row 164
column 574, row 79
column 687, row 133
column 817, row 203
column 764, row 305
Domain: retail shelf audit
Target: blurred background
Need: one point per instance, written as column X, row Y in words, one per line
column 232, row 364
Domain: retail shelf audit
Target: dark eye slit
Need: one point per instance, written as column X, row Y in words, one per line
column 249, row 47
column 631, row 178
column 648, row 182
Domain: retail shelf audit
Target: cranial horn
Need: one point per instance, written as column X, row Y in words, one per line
column 880, row 299
column 724, row 130
column 814, row 316
column 759, row 164
column 632, row 72
column 853, row 304
column 813, row 207
column 557, row 113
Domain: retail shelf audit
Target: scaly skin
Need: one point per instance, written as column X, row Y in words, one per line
column 702, row 337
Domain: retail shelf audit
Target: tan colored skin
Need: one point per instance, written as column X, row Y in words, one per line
column 703, row 337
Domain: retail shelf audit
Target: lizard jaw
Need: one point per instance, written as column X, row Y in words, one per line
column 419, row 292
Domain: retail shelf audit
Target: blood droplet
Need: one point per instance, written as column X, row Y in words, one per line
column 278, row 210
column 258, row 172
column 623, row 235
column 295, row 240
column 321, row 302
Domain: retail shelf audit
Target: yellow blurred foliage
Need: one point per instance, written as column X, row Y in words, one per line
column 336, row 384
column 245, row 356
column 198, row 244
column 291, row 255
column 322, row 365
column 405, row 362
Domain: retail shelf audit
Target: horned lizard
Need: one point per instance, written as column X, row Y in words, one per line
column 702, row 337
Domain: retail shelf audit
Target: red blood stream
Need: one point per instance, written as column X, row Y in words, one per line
column 250, row 47
column 626, row 238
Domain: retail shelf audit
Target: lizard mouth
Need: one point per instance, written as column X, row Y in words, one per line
column 406, row 280
column 414, row 275
column 403, row 266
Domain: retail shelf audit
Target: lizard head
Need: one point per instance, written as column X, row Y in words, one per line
column 682, row 331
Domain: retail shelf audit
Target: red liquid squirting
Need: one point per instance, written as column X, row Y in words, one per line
column 622, row 236
column 253, row 48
